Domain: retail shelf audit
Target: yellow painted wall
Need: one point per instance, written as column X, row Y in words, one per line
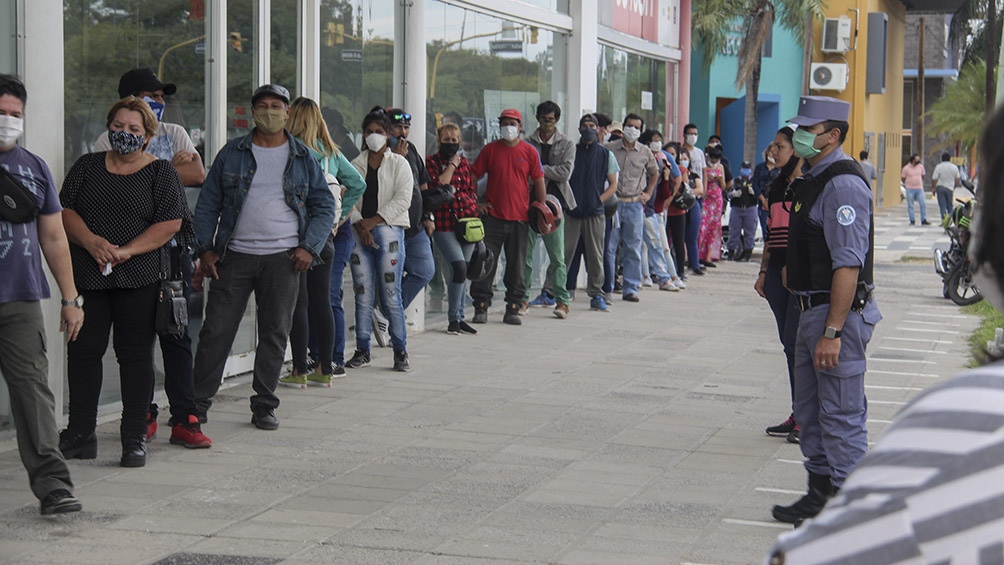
column 878, row 113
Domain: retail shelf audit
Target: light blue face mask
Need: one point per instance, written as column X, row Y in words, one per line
column 157, row 107
column 804, row 143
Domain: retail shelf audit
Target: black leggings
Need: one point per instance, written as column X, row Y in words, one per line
column 315, row 287
column 130, row 313
column 676, row 227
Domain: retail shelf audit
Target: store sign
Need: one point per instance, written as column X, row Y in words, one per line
column 352, row 55
column 639, row 18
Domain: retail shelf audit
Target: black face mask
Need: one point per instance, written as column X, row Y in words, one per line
column 589, row 135
column 448, row 150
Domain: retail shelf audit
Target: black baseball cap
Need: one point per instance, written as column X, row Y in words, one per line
column 276, row 90
column 143, row 79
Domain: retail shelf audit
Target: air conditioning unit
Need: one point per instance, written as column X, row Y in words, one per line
column 836, row 35
column 828, row 76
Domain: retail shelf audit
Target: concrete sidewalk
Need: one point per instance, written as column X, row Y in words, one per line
column 629, row 437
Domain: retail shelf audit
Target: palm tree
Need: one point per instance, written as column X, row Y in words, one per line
column 958, row 115
column 975, row 31
column 709, row 22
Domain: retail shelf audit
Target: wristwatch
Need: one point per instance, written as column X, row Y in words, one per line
column 77, row 302
column 831, row 332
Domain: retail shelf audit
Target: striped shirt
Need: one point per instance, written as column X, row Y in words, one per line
column 930, row 491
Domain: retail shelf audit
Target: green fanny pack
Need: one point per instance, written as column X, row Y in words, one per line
column 470, row 230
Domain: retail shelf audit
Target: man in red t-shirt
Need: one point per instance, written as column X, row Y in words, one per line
column 511, row 165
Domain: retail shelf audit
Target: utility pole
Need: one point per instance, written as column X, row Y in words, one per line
column 918, row 146
column 992, row 56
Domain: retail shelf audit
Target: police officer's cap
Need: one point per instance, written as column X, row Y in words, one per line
column 813, row 110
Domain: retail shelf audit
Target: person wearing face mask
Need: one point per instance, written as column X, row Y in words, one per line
column 715, row 141
column 743, row 215
column 656, row 257
column 449, row 166
column 511, row 165
column 636, row 185
column 171, row 142
column 120, row 209
column 712, row 205
column 593, row 182
column 557, row 156
column 263, row 217
column 697, row 160
column 763, row 175
column 829, row 268
column 946, row 441
column 23, row 286
column 913, row 179
column 380, row 218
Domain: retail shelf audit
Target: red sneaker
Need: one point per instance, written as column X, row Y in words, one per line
column 190, row 434
column 151, row 426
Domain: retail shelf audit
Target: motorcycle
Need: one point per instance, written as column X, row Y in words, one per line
column 953, row 265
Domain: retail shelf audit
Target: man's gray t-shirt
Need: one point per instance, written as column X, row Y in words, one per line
column 266, row 224
column 946, row 174
column 869, row 171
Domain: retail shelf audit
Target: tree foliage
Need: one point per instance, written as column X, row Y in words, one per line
column 958, row 115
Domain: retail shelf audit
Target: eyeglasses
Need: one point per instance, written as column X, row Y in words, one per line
column 401, row 118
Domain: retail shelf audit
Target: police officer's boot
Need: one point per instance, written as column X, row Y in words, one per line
column 820, row 490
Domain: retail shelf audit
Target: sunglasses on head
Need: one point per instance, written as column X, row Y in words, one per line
column 401, row 118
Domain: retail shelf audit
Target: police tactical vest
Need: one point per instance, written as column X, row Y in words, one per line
column 809, row 264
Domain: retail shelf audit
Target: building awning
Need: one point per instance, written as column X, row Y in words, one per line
column 932, row 6
column 932, row 73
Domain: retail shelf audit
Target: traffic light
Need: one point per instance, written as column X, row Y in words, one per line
column 236, row 41
column 330, row 31
column 339, row 33
column 533, row 34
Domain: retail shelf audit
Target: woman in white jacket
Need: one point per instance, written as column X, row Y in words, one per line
column 379, row 219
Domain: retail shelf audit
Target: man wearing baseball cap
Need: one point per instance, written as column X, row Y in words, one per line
column 829, row 270
column 267, row 209
column 511, row 164
column 171, row 142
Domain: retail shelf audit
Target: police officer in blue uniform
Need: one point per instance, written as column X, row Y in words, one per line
column 829, row 269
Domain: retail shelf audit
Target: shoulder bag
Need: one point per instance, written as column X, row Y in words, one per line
column 17, row 204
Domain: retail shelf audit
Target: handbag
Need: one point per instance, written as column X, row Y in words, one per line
column 470, row 230
column 172, row 306
column 436, row 197
column 685, row 200
column 17, row 204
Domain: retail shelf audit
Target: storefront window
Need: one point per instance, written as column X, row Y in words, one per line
column 518, row 66
column 357, row 64
column 285, row 44
column 631, row 83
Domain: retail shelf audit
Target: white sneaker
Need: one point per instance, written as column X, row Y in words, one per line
column 679, row 283
column 381, row 328
column 647, row 281
column 668, row 285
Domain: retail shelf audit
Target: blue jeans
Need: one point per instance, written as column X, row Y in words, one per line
column 916, row 195
column 379, row 268
column 610, row 240
column 632, row 216
column 418, row 264
column 343, row 248
column 945, row 196
column 456, row 256
column 659, row 268
column 692, row 235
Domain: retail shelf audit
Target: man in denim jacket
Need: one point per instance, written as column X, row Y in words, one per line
column 263, row 216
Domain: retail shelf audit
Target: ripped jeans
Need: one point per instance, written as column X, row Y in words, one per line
column 379, row 268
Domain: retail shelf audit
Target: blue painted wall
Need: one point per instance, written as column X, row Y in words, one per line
column 780, row 88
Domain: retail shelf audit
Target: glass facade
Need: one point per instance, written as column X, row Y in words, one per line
column 632, row 83
column 515, row 68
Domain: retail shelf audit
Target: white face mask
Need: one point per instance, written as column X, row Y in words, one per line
column 376, row 141
column 684, row 163
column 11, row 129
column 631, row 134
column 655, row 146
column 510, row 133
column 691, row 139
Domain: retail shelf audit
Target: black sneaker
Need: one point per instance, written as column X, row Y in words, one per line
column 454, row 328
column 338, row 371
column 401, row 364
column 78, row 445
column 59, row 501
column 264, row 419
column 631, row 298
column 465, row 328
column 782, row 429
column 359, row 359
column 480, row 313
column 511, row 316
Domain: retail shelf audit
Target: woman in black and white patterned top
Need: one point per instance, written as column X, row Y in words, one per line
column 120, row 208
